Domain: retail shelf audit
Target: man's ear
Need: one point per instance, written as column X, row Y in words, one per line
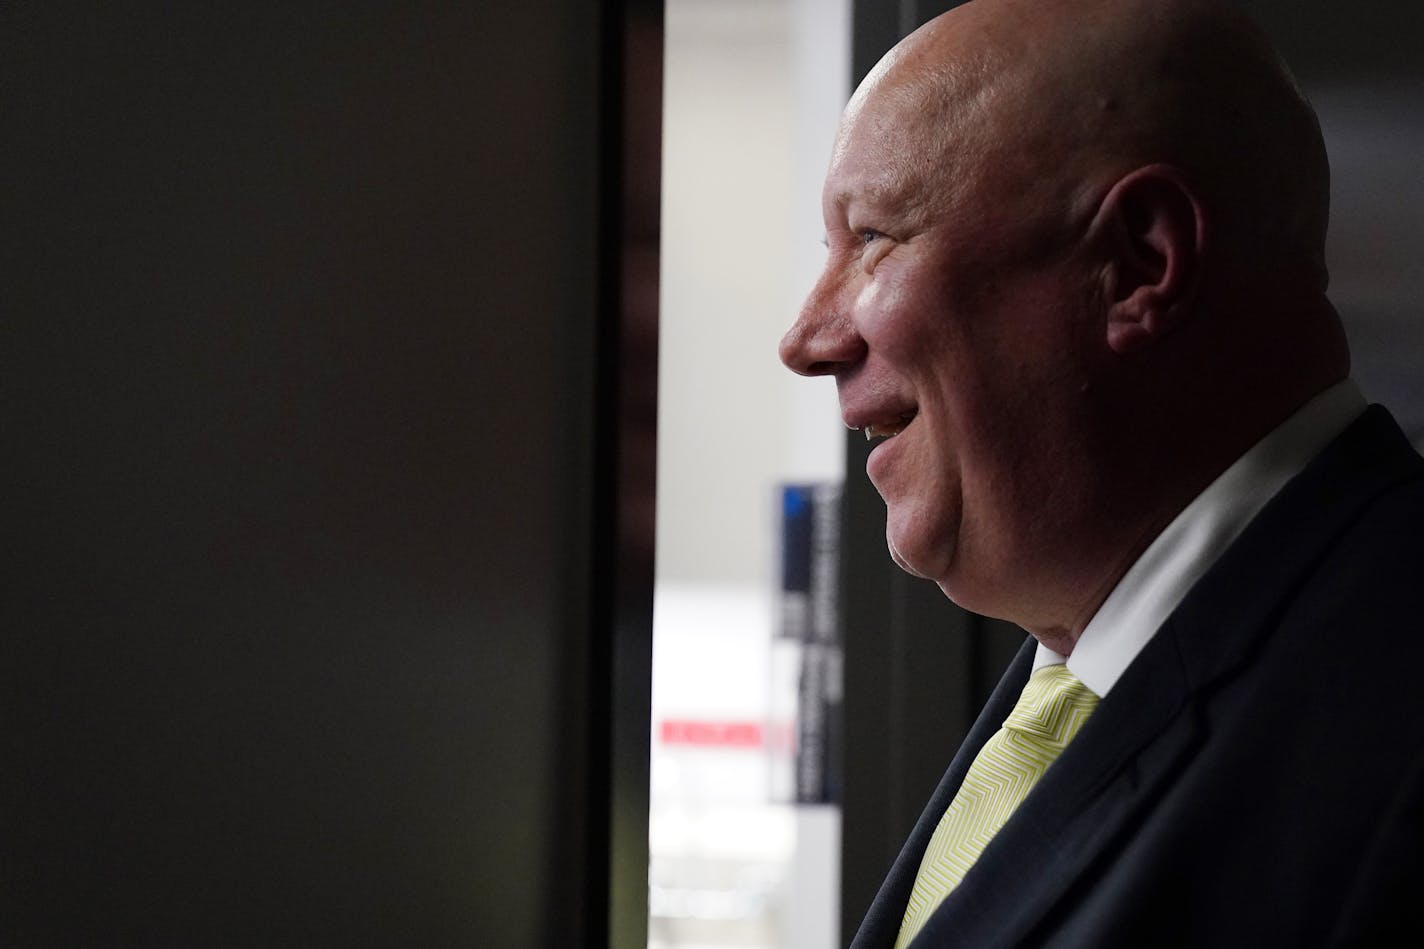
column 1152, row 230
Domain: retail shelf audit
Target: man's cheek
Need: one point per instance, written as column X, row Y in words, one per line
column 870, row 303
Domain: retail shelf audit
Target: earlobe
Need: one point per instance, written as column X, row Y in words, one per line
column 1152, row 230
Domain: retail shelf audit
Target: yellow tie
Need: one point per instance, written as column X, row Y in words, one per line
column 1053, row 706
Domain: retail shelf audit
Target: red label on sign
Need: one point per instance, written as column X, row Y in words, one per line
column 723, row 734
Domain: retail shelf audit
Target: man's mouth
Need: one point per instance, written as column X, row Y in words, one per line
column 887, row 429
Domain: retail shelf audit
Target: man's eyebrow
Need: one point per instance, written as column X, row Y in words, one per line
column 886, row 191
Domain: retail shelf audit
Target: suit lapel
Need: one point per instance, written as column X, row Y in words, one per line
column 1148, row 726
column 1136, row 739
column 1239, row 600
column 881, row 924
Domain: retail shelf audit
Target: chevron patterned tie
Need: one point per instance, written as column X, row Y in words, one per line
column 1053, row 706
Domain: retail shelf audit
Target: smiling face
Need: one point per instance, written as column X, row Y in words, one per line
column 956, row 318
column 1060, row 293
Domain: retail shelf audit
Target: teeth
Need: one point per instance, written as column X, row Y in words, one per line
column 873, row 432
column 887, row 429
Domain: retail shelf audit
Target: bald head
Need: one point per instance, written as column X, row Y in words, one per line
column 1055, row 101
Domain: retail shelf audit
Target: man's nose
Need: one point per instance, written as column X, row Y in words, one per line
column 823, row 340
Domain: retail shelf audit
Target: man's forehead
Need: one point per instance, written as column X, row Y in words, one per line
column 884, row 154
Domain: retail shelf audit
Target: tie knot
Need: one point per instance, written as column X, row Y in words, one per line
column 1053, row 706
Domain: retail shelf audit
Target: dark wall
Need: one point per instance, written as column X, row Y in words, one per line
column 1323, row 39
column 301, row 332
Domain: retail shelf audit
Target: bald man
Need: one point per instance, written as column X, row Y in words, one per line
column 1076, row 291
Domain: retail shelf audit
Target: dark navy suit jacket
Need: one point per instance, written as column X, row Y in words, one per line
column 1256, row 777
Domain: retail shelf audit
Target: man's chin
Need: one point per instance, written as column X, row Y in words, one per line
column 905, row 563
column 940, row 578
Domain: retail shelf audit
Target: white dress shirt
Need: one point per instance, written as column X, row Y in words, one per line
column 1153, row 586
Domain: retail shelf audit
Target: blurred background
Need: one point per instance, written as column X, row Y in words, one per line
column 753, row 90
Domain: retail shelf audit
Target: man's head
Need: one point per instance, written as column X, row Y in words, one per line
column 1075, row 268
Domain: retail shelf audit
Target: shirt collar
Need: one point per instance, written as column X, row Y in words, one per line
column 1153, row 586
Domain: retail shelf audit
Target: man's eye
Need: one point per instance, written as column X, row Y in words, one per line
column 874, row 246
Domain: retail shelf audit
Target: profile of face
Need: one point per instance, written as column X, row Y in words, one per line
column 1054, row 275
column 955, row 319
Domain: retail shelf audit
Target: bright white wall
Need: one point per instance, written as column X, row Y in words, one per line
column 753, row 91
